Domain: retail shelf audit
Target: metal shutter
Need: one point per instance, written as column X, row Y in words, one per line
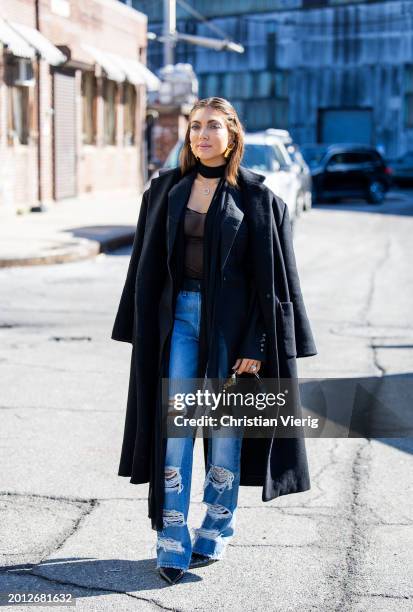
column 64, row 99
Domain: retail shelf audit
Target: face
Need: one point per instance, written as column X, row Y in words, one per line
column 209, row 136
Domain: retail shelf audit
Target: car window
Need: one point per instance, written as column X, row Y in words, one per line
column 278, row 154
column 257, row 157
column 339, row 158
column 354, row 157
column 364, row 157
column 296, row 156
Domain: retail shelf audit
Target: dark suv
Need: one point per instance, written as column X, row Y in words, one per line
column 347, row 171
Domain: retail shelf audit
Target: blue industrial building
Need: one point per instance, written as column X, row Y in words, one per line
column 329, row 71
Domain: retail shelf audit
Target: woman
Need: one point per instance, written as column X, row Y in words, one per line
column 212, row 287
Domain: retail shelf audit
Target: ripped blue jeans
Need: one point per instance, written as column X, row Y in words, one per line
column 220, row 492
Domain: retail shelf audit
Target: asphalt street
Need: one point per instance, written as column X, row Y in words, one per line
column 70, row 525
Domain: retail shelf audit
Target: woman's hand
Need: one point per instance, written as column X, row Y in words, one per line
column 244, row 365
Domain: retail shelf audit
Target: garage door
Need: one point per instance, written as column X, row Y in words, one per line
column 346, row 125
column 64, row 102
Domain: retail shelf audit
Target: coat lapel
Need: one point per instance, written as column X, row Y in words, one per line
column 232, row 217
column 233, row 212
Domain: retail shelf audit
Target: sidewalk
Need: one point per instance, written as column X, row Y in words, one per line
column 69, row 230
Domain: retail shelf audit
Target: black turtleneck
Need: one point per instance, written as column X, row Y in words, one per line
column 210, row 171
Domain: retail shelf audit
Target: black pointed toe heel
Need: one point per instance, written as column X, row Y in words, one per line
column 171, row 574
column 198, row 560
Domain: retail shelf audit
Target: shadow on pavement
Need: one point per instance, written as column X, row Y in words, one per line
column 109, row 575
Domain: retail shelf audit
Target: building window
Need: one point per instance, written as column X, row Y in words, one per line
column 271, row 49
column 20, row 81
column 110, row 90
column 228, row 82
column 202, row 83
column 212, row 85
column 247, row 86
column 266, row 84
column 129, row 113
column 263, row 114
column 281, row 84
column 408, row 95
column 88, row 108
column 19, row 125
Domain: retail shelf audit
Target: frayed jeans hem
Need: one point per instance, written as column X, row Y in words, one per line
column 217, row 555
column 159, row 565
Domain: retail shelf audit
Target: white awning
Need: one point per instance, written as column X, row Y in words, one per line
column 111, row 67
column 150, row 79
column 47, row 50
column 119, row 68
column 130, row 72
column 137, row 73
column 14, row 43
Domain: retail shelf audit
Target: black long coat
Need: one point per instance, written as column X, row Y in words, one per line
column 261, row 315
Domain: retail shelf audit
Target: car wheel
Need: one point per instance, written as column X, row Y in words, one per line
column 376, row 192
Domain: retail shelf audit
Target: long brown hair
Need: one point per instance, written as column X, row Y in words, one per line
column 187, row 159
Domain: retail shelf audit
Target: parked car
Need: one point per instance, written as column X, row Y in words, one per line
column 300, row 166
column 402, row 169
column 347, row 171
column 266, row 155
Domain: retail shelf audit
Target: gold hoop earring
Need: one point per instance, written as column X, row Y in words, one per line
column 228, row 151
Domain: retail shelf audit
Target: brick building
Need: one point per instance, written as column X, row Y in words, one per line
column 73, row 88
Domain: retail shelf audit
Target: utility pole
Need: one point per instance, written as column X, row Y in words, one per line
column 169, row 31
column 170, row 36
column 177, row 91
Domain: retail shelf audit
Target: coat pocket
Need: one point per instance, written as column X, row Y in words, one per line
column 288, row 329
